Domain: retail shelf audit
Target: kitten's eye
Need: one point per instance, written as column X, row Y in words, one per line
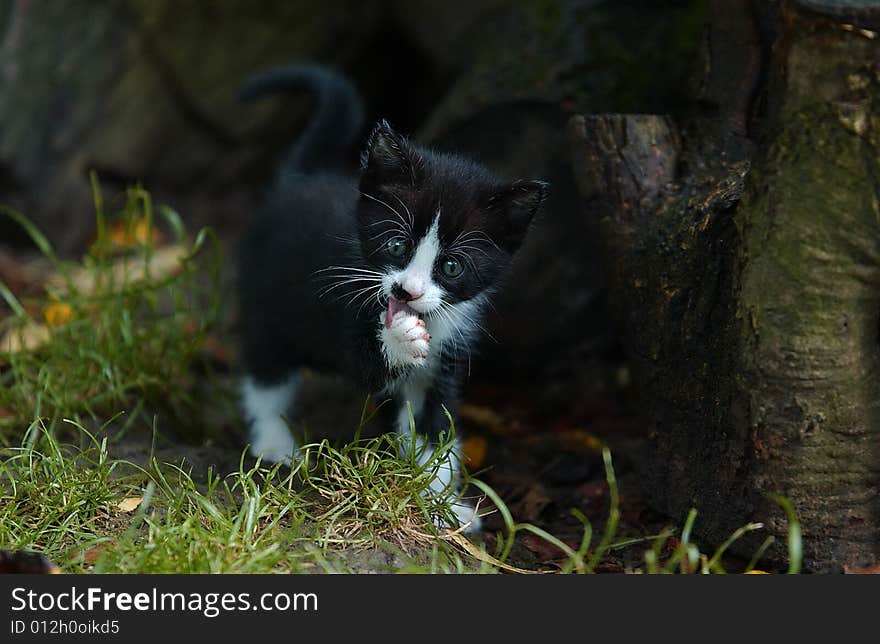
column 397, row 247
column 451, row 267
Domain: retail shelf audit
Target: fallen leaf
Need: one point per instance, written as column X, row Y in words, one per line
column 29, row 337
column 484, row 417
column 23, row 562
column 533, row 504
column 473, row 449
column 124, row 235
column 756, row 572
column 593, row 491
column 581, row 440
column 23, row 277
column 610, row 567
column 482, row 555
column 867, row 570
column 91, row 555
column 130, row 503
column 164, row 262
column 544, row 550
column 631, row 509
column 57, row 313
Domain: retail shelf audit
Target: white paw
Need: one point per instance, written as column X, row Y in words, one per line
column 275, row 448
column 406, row 341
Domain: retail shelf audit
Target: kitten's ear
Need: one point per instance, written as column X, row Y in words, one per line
column 517, row 205
column 387, row 159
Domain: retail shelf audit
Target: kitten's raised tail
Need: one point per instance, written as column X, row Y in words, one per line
column 336, row 123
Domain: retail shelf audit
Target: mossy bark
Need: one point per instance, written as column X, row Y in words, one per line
column 749, row 294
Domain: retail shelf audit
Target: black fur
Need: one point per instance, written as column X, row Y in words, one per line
column 338, row 118
column 317, row 217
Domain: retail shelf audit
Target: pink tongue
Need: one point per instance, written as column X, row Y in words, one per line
column 395, row 306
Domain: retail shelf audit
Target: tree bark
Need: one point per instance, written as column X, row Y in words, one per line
column 748, row 289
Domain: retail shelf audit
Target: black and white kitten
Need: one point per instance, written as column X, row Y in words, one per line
column 384, row 275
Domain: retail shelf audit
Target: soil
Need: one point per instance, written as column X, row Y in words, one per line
column 543, row 465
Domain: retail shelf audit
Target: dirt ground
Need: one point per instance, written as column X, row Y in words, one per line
column 543, row 462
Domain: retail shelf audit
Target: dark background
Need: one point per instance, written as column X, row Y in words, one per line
column 145, row 90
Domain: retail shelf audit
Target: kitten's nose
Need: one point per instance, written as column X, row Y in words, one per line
column 404, row 294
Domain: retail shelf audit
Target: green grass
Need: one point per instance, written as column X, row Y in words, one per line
column 321, row 516
column 124, row 353
column 64, row 501
column 54, row 499
column 127, row 336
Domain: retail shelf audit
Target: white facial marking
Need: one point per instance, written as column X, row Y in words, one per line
column 417, row 278
column 263, row 408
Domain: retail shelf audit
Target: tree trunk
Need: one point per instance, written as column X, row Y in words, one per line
column 748, row 288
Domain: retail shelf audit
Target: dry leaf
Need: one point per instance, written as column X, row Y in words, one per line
column 129, row 503
column 29, row 337
column 473, row 449
column 631, row 509
column 164, row 262
column 91, row 555
column 482, row 555
column 57, row 313
column 134, row 234
column 756, row 572
column 533, row 504
column 543, row 549
column 483, row 417
column 609, row 567
column 867, row 570
column 593, row 492
column 581, row 440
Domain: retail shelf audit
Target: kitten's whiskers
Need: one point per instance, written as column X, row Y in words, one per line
column 346, row 276
column 406, row 209
column 406, row 224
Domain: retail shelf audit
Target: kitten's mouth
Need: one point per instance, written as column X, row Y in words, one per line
column 395, row 306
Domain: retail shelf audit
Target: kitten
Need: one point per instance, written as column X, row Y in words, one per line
column 383, row 275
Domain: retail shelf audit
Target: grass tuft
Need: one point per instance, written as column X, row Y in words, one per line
column 58, row 499
column 116, row 330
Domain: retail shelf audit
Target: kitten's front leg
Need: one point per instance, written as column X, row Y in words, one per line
column 406, row 342
column 264, row 404
column 446, row 484
column 430, row 421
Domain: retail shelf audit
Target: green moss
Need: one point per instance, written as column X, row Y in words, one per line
column 808, row 304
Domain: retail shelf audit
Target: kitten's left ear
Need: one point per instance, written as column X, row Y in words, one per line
column 388, row 158
column 518, row 203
